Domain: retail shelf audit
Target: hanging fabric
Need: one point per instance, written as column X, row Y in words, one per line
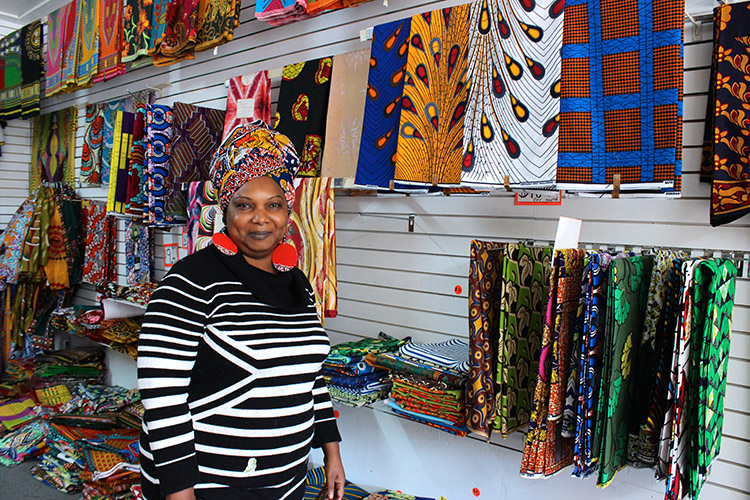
column 53, row 147
column 513, row 108
column 302, row 107
column 435, row 95
column 139, row 253
column 91, row 154
column 197, row 134
column 725, row 164
column 158, row 153
column 70, row 47
column 31, row 68
column 57, row 31
column 135, row 196
column 56, row 269
column 524, row 296
column 136, row 35
column 280, row 12
column 158, row 24
column 180, row 33
column 88, row 41
column 10, row 59
column 99, row 262
column 315, row 7
column 13, row 239
column 110, row 40
column 621, row 107
column 346, row 110
column 248, row 99
column 385, row 85
column 109, row 114
column 216, row 24
column 485, row 275
column 203, row 212
column 122, row 142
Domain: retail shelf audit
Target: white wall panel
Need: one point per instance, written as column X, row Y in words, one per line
column 405, row 283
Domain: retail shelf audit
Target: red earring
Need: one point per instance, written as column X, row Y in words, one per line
column 224, row 244
column 284, row 257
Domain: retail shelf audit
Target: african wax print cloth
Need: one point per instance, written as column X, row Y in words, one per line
column 726, row 133
column 347, row 352
column 13, row 239
column 159, row 135
column 621, row 101
column 122, row 142
column 435, row 95
column 357, row 366
column 70, row 46
column 121, row 330
column 56, row 269
column 197, row 133
column 301, row 112
column 158, row 24
column 136, row 21
column 216, row 22
column 396, row 363
column 135, row 195
column 16, row 412
column 315, row 7
column 642, row 441
column 346, row 110
column 91, row 154
column 203, row 210
column 10, row 61
column 525, row 290
column 316, row 479
column 16, row 446
column 513, row 107
column 109, row 115
column 88, row 41
column 54, row 395
column 312, row 233
column 53, row 147
column 139, row 253
column 385, row 84
column 715, row 278
column 31, row 68
column 60, row 24
column 357, row 398
column 485, row 275
column 432, row 421
column 590, row 322
column 110, row 40
column 180, row 33
column 627, row 297
column 280, row 12
column 249, row 99
column 546, row 450
column 451, row 354
column 98, row 266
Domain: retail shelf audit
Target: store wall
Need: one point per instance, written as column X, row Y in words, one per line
column 404, row 283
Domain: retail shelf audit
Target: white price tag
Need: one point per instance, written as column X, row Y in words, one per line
column 245, row 108
column 171, row 254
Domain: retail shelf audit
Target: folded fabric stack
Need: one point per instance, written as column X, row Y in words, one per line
column 315, row 482
column 139, row 293
column 132, row 415
column 99, row 399
column 16, row 412
column 280, row 12
column 23, row 442
column 350, row 379
column 71, row 366
column 429, row 402
column 444, row 361
column 75, row 320
column 120, row 334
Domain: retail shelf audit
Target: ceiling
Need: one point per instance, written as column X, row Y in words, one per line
column 21, row 12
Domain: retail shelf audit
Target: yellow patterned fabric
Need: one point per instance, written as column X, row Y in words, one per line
column 53, row 147
column 434, row 101
column 217, row 20
column 88, row 41
column 53, row 396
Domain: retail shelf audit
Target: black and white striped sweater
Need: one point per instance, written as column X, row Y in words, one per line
column 229, row 362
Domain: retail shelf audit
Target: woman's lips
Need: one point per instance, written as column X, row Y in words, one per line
column 259, row 235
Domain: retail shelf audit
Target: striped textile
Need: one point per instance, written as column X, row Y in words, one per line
column 253, row 426
column 453, row 353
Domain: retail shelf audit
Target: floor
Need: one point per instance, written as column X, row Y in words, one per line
column 18, row 484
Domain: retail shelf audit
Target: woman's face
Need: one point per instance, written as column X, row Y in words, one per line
column 257, row 219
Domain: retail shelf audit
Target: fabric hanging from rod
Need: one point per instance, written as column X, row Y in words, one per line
column 58, row 22
column 385, row 84
column 248, row 99
column 216, row 25
column 136, row 38
column 32, row 68
column 725, row 164
column 91, row 154
column 345, row 114
column 301, row 111
column 513, row 107
column 10, row 92
column 621, row 102
column 70, row 47
column 53, row 147
column 435, row 95
column 203, row 209
column 159, row 135
column 110, row 40
column 88, row 42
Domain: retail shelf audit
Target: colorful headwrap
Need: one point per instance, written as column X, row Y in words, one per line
column 250, row 151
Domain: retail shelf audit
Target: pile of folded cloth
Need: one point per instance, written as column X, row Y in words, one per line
column 280, row 12
column 132, row 415
column 138, row 294
column 120, row 334
column 97, row 400
column 429, row 381
column 351, row 381
column 70, row 366
column 24, row 442
column 103, row 463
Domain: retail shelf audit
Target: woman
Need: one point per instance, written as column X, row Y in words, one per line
column 231, row 348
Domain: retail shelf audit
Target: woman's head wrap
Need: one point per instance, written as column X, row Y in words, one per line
column 250, row 151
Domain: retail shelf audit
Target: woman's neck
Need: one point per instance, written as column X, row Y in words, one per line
column 264, row 264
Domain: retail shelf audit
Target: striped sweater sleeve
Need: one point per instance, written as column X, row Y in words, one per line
column 326, row 430
column 171, row 333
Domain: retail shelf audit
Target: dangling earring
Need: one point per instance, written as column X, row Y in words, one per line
column 284, row 257
column 224, row 243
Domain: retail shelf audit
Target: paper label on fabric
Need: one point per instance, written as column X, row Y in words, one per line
column 245, row 108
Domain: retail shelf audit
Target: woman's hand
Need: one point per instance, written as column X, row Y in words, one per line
column 335, row 477
column 188, row 494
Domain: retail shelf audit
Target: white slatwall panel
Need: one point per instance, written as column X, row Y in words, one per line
column 403, row 283
column 16, row 157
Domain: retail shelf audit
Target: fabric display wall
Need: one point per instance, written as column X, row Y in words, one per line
column 20, row 79
column 631, row 353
